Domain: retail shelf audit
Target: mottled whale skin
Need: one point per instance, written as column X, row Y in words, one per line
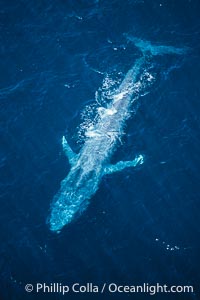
column 93, row 162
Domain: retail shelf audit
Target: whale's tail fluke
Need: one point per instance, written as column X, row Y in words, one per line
column 147, row 47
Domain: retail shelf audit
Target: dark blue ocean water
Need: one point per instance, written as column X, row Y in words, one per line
column 143, row 224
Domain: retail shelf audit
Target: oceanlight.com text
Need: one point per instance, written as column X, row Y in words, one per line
column 112, row 288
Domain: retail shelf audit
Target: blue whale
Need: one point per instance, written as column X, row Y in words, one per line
column 93, row 162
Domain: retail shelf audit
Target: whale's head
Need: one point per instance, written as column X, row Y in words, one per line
column 71, row 200
column 66, row 208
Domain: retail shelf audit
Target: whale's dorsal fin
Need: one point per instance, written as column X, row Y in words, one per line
column 71, row 155
column 109, row 169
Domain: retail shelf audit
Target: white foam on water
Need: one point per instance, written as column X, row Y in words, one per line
column 103, row 112
column 120, row 96
column 92, row 133
column 110, row 93
column 168, row 247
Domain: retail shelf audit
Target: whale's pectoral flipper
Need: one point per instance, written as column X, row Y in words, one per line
column 124, row 164
column 68, row 151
